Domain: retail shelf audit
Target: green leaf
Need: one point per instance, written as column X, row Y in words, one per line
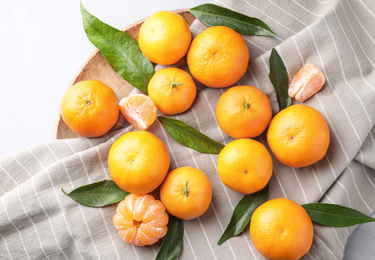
column 334, row 215
column 279, row 78
column 172, row 243
column 98, row 194
column 120, row 49
column 214, row 15
column 243, row 213
column 189, row 136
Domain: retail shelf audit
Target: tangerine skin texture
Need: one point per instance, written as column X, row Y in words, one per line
column 218, row 57
column 138, row 162
column 281, row 230
column 141, row 220
column 90, row 108
column 245, row 166
column 164, row 37
column 238, row 121
column 170, row 99
column 298, row 136
column 199, row 193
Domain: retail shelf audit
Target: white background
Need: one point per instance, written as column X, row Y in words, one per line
column 42, row 46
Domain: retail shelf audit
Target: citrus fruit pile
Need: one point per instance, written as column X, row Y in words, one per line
column 139, row 162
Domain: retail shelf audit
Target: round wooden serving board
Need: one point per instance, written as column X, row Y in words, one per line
column 97, row 67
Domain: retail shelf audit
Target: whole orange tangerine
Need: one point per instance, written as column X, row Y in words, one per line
column 243, row 112
column 245, row 166
column 173, row 90
column 218, row 57
column 138, row 162
column 186, row 192
column 281, row 230
column 90, row 108
column 298, row 136
column 164, row 37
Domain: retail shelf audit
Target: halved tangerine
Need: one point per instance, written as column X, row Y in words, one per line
column 308, row 81
column 139, row 110
column 141, row 220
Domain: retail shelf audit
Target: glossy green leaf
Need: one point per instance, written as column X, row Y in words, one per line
column 214, row 15
column 189, row 136
column 98, row 194
column 120, row 49
column 334, row 215
column 172, row 243
column 279, row 78
column 243, row 213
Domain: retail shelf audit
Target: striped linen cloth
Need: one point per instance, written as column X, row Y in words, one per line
column 37, row 221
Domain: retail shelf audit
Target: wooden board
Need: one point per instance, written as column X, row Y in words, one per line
column 97, row 67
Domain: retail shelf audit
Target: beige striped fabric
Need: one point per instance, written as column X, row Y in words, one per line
column 37, row 221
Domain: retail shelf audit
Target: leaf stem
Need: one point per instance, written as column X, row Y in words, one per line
column 186, row 191
column 175, row 84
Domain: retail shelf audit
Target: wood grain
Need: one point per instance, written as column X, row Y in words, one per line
column 97, row 67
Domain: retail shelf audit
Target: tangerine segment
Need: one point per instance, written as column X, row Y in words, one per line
column 245, row 166
column 186, row 192
column 133, row 225
column 298, row 136
column 139, row 110
column 308, row 81
column 164, row 37
column 281, row 229
column 218, row 57
column 138, row 162
column 243, row 112
column 173, row 90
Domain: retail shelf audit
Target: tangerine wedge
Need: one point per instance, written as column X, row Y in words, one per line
column 308, row 81
column 139, row 110
column 141, row 220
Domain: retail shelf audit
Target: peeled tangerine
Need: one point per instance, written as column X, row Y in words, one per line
column 141, row 220
column 308, row 81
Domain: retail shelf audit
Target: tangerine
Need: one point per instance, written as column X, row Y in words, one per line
column 245, row 166
column 141, row 220
column 298, row 136
column 218, row 57
column 173, row 90
column 186, row 192
column 243, row 111
column 164, row 37
column 138, row 162
column 281, row 230
column 90, row 108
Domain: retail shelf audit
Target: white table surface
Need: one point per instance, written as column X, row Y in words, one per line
column 43, row 45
